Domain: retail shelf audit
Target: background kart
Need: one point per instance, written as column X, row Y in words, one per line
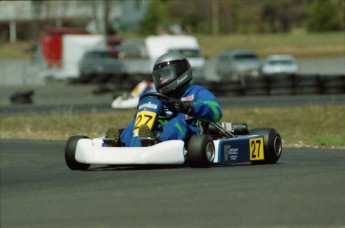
column 218, row 143
column 131, row 99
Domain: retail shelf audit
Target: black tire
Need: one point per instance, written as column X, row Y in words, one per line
column 227, row 88
column 256, row 86
column 282, row 91
column 273, row 145
column 71, row 146
column 212, row 86
column 86, row 78
column 281, row 84
column 234, row 88
column 305, row 84
column 200, row 152
column 333, row 84
column 24, row 97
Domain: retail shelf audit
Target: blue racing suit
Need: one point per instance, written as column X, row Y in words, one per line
column 182, row 126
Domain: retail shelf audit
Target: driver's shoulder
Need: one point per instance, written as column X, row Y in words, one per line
column 193, row 88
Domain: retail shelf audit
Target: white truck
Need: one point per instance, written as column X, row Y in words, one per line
column 62, row 49
column 139, row 55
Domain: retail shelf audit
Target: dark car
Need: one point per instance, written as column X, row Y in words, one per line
column 99, row 65
column 235, row 64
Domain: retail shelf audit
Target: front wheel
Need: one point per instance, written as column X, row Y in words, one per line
column 273, row 145
column 200, row 151
column 70, row 149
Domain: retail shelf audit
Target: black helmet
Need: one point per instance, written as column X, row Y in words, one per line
column 171, row 71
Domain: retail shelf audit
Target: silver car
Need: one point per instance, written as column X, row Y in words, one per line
column 235, row 64
column 99, row 64
column 280, row 64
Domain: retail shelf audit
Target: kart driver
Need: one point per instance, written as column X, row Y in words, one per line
column 172, row 75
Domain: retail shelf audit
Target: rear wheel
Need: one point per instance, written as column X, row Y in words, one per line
column 70, row 149
column 200, row 152
column 273, row 145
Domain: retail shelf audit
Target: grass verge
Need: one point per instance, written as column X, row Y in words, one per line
column 309, row 126
column 300, row 44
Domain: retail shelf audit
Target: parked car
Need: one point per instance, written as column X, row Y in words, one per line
column 99, row 65
column 139, row 55
column 280, row 64
column 196, row 60
column 235, row 64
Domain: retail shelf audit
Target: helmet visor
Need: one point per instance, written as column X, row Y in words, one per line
column 164, row 75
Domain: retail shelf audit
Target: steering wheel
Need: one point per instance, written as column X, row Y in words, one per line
column 165, row 100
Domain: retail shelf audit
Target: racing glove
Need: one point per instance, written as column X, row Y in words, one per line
column 177, row 106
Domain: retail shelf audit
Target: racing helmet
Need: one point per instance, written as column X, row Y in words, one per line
column 171, row 71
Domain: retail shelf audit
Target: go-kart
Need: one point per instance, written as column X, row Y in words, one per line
column 129, row 100
column 217, row 143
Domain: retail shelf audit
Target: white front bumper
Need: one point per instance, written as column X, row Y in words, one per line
column 91, row 152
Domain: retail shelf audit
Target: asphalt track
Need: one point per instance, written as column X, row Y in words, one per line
column 81, row 99
column 305, row 189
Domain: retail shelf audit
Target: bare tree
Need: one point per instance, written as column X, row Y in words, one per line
column 215, row 17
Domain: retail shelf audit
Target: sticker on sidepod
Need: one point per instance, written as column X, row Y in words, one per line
column 234, row 150
column 231, row 153
column 256, row 149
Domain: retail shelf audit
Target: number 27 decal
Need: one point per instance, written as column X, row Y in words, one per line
column 256, row 149
column 144, row 117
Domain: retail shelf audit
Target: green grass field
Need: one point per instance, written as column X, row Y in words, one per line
column 309, row 126
column 300, row 44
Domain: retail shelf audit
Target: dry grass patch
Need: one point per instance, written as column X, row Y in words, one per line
column 315, row 126
column 15, row 50
column 298, row 126
column 302, row 45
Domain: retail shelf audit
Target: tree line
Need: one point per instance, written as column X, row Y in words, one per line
column 244, row 16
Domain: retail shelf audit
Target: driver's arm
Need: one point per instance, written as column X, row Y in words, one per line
column 207, row 106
